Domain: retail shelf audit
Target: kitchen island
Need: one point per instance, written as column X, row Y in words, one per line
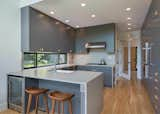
column 87, row 86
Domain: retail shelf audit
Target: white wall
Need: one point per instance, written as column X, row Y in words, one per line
column 24, row 3
column 10, row 55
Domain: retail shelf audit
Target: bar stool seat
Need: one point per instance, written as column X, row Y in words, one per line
column 36, row 92
column 61, row 97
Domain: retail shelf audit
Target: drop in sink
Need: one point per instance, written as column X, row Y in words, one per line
column 64, row 71
column 61, row 71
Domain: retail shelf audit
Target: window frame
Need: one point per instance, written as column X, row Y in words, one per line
column 65, row 58
column 36, row 62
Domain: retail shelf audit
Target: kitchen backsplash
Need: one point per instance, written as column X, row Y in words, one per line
column 94, row 57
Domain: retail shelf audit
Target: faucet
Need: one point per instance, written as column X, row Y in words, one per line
column 55, row 62
column 55, row 67
column 102, row 62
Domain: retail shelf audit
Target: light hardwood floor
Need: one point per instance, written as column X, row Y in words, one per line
column 128, row 97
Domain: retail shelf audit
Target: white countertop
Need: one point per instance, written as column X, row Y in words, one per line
column 70, row 65
column 112, row 66
column 47, row 73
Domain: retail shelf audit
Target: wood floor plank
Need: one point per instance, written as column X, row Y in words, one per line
column 128, row 97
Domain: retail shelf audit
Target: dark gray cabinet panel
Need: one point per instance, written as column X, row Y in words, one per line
column 45, row 33
column 101, row 33
column 153, row 88
column 108, row 73
column 151, row 33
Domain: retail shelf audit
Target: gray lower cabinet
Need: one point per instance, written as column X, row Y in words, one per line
column 108, row 73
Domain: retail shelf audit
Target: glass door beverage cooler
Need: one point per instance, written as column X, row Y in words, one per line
column 15, row 93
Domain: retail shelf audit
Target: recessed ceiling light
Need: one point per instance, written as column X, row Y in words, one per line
column 128, row 9
column 93, row 15
column 129, row 18
column 129, row 28
column 83, row 4
column 52, row 12
column 67, row 21
column 68, row 27
column 156, row 13
column 57, row 23
column 77, row 26
column 129, row 24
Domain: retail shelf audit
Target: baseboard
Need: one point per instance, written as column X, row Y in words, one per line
column 3, row 106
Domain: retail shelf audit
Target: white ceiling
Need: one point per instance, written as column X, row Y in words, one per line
column 106, row 11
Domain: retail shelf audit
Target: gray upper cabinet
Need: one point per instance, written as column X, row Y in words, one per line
column 101, row 33
column 42, row 31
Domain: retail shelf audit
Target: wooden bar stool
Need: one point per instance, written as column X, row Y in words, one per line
column 61, row 97
column 36, row 92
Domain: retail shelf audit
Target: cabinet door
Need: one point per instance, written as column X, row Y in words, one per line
column 108, row 81
column 66, row 40
column 107, row 75
column 80, row 45
column 153, row 89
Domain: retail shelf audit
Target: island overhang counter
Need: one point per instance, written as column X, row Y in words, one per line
column 87, row 87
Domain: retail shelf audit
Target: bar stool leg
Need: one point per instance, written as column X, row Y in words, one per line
column 62, row 107
column 29, row 103
column 59, row 107
column 36, row 108
column 46, row 103
column 53, row 106
column 70, row 107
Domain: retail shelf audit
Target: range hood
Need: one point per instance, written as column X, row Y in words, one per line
column 95, row 45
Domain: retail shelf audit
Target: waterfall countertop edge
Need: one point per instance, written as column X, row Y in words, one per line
column 48, row 73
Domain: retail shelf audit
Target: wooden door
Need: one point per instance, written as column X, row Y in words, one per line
column 125, row 57
column 133, row 58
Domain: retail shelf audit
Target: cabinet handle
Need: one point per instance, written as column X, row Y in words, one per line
column 70, row 51
column 156, row 97
column 156, row 88
column 155, row 106
column 156, row 80
column 59, row 50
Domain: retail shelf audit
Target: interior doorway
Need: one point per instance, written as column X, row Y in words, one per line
column 132, row 61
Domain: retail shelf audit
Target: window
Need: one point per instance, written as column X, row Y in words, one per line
column 62, row 58
column 45, row 59
column 29, row 60
column 40, row 59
